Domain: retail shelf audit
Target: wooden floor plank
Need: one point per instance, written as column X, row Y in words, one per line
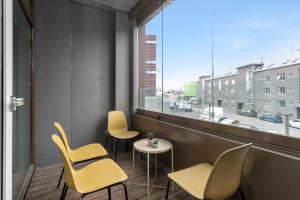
column 45, row 179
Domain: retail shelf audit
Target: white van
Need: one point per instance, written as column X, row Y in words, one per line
column 209, row 115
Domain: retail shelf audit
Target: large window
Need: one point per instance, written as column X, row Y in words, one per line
column 216, row 60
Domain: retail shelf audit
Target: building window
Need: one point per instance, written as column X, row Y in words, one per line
column 153, row 62
column 233, row 81
column 281, row 103
column 226, row 82
column 150, row 42
column 281, row 90
column 281, row 77
column 267, row 78
column 220, row 85
column 266, row 90
column 267, row 102
column 150, row 72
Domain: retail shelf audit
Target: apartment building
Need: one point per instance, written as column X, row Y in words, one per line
column 263, row 88
column 277, row 88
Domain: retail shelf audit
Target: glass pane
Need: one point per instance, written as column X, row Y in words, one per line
column 187, row 54
column 258, row 46
column 231, row 62
column 150, row 64
column 27, row 5
column 21, row 88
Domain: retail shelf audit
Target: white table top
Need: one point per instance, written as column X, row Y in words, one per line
column 142, row 146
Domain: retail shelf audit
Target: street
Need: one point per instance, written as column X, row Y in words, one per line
column 275, row 128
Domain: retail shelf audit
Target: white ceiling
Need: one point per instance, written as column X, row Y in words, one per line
column 124, row 5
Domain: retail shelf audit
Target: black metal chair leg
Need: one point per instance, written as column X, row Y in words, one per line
column 127, row 145
column 241, row 193
column 81, row 197
column 62, row 173
column 106, row 138
column 116, row 149
column 168, row 187
column 66, row 190
column 63, row 191
column 125, row 190
column 109, row 193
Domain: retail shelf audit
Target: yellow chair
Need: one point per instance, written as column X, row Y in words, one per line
column 82, row 154
column 118, row 129
column 218, row 181
column 99, row 175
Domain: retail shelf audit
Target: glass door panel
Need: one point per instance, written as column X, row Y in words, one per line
column 22, row 60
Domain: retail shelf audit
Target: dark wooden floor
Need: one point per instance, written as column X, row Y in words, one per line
column 45, row 179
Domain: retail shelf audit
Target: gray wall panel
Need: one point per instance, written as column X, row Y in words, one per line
column 124, row 64
column 52, row 75
column 107, row 69
column 74, row 73
column 86, row 63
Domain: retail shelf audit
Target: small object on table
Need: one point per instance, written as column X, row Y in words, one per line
column 150, row 138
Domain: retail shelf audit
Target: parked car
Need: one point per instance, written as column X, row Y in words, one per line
column 228, row 121
column 188, row 108
column 295, row 123
column 248, row 126
column 275, row 118
column 179, row 106
column 172, row 105
column 193, row 100
column 207, row 114
column 247, row 112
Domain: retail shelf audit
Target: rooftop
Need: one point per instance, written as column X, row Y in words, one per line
column 286, row 63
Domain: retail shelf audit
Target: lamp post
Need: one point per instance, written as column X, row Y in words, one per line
column 287, row 123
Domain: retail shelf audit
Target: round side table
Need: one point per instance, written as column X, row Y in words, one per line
column 142, row 146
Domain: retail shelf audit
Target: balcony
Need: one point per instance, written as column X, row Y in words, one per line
column 101, row 68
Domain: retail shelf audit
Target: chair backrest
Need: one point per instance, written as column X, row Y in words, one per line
column 225, row 177
column 116, row 122
column 63, row 135
column 68, row 169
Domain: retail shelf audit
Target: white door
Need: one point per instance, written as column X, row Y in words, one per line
column 7, row 93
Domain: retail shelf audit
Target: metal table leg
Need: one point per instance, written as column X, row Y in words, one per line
column 148, row 181
column 133, row 165
column 172, row 158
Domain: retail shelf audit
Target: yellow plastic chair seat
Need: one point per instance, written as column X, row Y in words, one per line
column 193, row 179
column 125, row 134
column 98, row 175
column 87, row 152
